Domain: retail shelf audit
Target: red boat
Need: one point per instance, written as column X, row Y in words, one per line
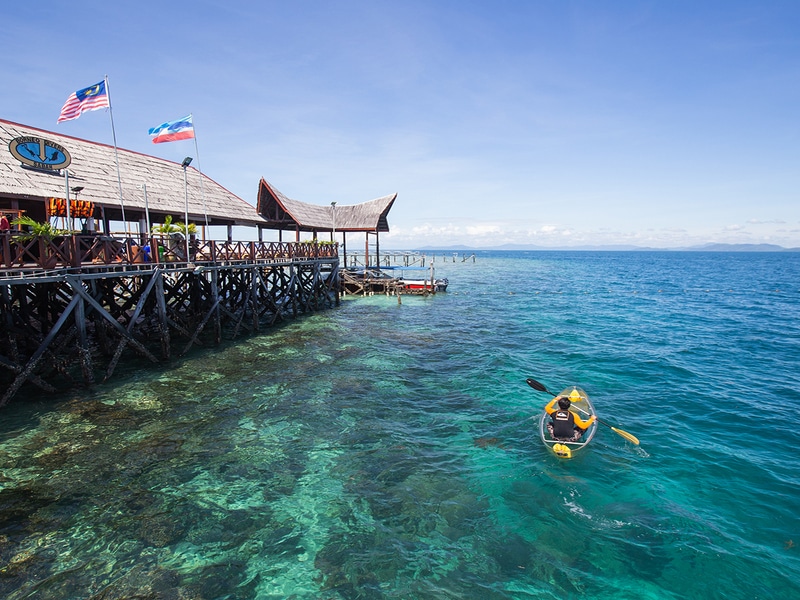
column 436, row 285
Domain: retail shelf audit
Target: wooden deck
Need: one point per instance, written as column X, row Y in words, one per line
column 72, row 309
column 18, row 251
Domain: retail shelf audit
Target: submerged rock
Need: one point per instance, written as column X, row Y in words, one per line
column 486, row 442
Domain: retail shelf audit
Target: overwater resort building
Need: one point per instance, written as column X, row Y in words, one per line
column 112, row 189
column 107, row 253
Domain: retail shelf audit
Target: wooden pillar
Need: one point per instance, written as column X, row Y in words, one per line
column 142, row 231
column 215, row 300
column 161, row 307
column 105, row 309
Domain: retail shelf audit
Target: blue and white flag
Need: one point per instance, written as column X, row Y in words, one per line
column 172, row 131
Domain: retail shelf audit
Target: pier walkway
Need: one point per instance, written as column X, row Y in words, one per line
column 72, row 308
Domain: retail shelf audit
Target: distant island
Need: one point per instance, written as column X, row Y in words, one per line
column 619, row 248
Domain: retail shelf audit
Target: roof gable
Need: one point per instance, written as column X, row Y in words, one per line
column 281, row 212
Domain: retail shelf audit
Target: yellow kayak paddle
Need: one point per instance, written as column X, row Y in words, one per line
column 628, row 436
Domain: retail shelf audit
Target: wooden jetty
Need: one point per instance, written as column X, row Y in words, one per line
column 77, row 301
column 402, row 258
column 391, row 281
column 75, row 320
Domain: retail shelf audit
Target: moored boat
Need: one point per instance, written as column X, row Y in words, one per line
column 581, row 405
column 418, row 279
column 435, row 285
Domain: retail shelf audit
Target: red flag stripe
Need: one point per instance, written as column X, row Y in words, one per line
column 73, row 107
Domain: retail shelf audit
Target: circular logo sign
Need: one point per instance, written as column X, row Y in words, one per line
column 39, row 153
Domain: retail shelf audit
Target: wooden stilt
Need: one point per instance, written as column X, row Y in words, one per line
column 67, row 328
column 20, row 379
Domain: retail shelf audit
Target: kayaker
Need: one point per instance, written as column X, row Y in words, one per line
column 565, row 424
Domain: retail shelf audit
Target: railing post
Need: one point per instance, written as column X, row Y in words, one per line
column 148, row 241
column 154, row 253
column 42, row 252
column 6, row 249
column 74, row 251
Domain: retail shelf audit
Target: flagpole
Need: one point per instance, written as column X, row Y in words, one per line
column 66, row 184
column 202, row 187
column 146, row 210
column 186, row 162
column 116, row 157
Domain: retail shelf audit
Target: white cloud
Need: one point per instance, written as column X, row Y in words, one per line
column 489, row 134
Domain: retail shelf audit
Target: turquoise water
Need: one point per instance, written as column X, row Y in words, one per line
column 389, row 450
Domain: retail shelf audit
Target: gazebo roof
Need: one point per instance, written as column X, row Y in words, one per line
column 281, row 212
column 94, row 168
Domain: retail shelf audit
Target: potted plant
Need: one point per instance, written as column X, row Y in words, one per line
column 167, row 230
column 45, row 233
column 191, row 232
column 191, row 229
column 174, row 235
column 45, row 230
column 167, row 226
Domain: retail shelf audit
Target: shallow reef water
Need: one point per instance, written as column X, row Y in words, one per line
column 390, row 450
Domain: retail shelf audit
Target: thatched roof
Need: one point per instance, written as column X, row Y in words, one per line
column 94, row 168
column 281, row 212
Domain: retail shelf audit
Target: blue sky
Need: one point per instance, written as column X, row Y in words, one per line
column 552, row 123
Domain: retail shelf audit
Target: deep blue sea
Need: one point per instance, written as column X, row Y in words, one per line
column 388, row 449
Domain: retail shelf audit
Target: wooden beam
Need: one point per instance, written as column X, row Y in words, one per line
column 34, row 360
column 75, row 283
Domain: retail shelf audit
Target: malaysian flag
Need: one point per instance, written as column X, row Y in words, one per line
column 172, row 131
column 90, row 98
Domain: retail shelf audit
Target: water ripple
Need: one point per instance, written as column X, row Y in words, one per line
column 385, row 450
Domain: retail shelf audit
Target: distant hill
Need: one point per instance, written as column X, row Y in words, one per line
column 742, row 248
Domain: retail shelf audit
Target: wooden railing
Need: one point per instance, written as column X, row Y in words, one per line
column 20, row 250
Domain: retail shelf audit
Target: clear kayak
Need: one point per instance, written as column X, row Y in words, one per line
column 581, row 405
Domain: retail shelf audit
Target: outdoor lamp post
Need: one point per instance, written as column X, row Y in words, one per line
column 333, row 211
column 76, row 190
column 186, row 162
